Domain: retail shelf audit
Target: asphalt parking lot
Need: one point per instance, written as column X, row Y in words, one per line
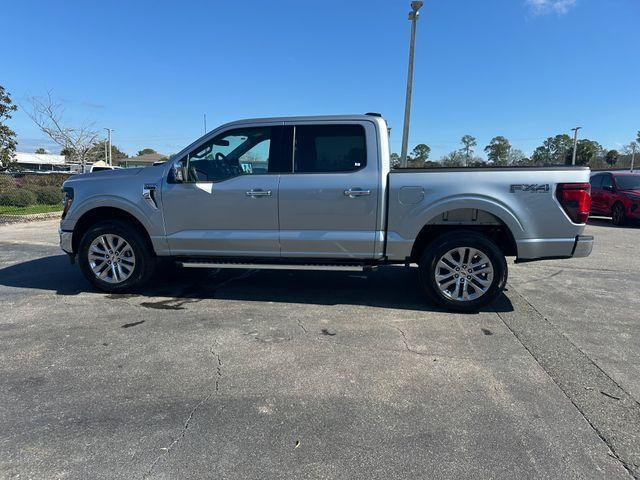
column 276, row 374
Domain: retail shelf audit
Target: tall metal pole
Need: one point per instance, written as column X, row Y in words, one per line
column 575, row 144
column 633, row 154
column 108, row 159
column 413, row 16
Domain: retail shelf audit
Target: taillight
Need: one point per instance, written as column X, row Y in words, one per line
column 575, row 199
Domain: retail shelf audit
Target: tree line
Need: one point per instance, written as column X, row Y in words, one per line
column 81, row 144
column 557, row 150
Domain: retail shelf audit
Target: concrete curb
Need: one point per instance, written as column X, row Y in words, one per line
column 34, row 217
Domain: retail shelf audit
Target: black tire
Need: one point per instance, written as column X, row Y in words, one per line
column 145, row 260
column 618, row 215
column 459, row 239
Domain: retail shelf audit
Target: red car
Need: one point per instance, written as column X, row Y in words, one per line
column 616, row 195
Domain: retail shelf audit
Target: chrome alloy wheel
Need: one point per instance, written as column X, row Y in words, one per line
column 111, row 258
column 464, row 274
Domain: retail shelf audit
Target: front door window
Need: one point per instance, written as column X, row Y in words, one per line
column 243, row 151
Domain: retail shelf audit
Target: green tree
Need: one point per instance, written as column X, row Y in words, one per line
column 612, row 157
column 419, row 155
column 638, row 137
column 394, row 159
column 146, row 151
column 8, row 141
column 97, row 152
column 498, row 150
column 40, row 151
column 586, row 151
column 558, row 149
column 468, row 144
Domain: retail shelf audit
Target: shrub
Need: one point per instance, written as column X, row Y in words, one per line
column 47, row 195
column 18, row 197
column 48, row 180
column 6, row 182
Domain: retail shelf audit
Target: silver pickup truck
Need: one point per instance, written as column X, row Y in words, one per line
column 319, row 193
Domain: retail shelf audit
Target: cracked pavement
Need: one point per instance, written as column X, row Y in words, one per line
column 276, row 374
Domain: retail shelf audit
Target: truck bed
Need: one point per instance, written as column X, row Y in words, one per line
column 522, row 199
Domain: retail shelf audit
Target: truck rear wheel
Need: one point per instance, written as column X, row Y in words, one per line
column 114, row 257
column 463, row 271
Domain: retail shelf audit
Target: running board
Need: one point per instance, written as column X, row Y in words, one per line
column 277, row 266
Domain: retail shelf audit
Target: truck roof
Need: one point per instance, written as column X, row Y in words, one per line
column 325, row 118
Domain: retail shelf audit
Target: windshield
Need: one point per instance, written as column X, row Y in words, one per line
column 628, row 182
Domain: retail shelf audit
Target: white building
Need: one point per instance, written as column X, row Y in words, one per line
column 42, row 162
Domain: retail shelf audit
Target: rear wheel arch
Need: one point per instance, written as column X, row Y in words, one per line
column 498, row 232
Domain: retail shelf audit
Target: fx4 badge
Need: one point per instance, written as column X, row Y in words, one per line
column 531, row 188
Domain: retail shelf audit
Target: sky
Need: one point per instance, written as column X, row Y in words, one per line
column 150, row 70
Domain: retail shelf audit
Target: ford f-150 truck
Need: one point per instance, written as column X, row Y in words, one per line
column 319, row 193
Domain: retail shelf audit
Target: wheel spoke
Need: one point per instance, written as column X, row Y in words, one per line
column 475, row 272
column 111, row 258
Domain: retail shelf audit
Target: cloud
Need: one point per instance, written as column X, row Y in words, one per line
column 543, row 7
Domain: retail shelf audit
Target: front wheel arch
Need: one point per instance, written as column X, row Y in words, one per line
column 99, row 214
column 143, row 259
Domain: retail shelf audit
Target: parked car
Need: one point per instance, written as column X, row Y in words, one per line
column 318, row 193
column 102, row 168
column 616, row 195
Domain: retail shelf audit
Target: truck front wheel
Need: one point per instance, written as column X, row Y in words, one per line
column 463, row 271
column 114, row 256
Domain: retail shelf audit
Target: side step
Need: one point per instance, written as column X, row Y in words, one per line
column 277, row 266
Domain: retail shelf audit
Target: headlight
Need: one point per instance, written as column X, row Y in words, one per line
column 67, row 200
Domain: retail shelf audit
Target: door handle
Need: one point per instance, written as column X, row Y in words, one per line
column 258, row 192
column 356, row 192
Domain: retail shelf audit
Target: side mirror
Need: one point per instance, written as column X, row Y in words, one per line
column 178, row 173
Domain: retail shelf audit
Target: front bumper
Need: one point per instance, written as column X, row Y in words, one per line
column 66, row 241
column 583, row 246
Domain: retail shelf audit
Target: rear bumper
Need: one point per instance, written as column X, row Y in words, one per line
column 544, row 248
column 583, row 246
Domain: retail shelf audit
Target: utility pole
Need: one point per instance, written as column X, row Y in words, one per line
column 575, row 144
column 413, row 16
column 633, row 154
column 205, row 122
column 110, row 158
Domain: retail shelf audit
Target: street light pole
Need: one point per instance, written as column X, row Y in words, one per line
column 110, row 157
column 413, row 16
column 575, row 144
column 633, row 154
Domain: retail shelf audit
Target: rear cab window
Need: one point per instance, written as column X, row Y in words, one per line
column 329, row 148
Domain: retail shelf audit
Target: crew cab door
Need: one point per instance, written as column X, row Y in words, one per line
column 226, row 202
column 328, row 205
column 596, row 193
column 607, row 194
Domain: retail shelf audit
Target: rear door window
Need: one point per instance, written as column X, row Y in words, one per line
column 329, row 148
column 596, row 181
column 607, row 181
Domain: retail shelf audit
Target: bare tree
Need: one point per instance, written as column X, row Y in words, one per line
column 47, row 113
